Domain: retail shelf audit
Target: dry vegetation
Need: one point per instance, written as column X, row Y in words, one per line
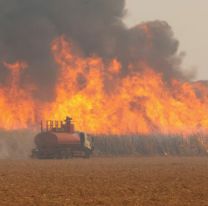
column 150, row 145
column 18, row 145
column 105, row 181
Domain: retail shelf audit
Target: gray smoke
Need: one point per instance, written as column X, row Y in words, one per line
column 27, row 28
column 16, row 144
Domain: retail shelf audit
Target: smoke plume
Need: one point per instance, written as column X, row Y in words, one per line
column 96, row 27
column 16, row 144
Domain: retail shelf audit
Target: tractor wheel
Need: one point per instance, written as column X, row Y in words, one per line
column 87, row 154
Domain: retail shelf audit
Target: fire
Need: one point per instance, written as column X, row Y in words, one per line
column 138, row 103
column 101, row 99
column 17, row 107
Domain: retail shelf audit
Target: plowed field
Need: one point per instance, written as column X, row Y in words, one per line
column 105, row 181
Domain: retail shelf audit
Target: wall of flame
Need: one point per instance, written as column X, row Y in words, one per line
column 103, row 102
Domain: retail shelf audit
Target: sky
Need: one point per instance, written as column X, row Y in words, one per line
column 188, row 19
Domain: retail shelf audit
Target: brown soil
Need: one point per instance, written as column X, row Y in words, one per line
column 105, row 181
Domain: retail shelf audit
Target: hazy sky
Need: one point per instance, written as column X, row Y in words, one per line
column 189, row 20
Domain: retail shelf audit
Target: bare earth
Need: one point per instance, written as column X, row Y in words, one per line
column 105, row 181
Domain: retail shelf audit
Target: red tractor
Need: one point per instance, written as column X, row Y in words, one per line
column 59, row 140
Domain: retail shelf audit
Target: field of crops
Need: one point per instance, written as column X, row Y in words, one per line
column 145, row 181
column 18, row 145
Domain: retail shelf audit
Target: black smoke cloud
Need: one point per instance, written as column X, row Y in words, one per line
column 27, row 27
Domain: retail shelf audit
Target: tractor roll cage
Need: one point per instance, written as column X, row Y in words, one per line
column 59, row 126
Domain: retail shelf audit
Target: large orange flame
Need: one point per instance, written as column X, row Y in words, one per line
column 102, row 100
column 138, row 103
column 17, row 107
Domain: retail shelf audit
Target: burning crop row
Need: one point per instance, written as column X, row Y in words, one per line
column 122, row 81
column 137, row 103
